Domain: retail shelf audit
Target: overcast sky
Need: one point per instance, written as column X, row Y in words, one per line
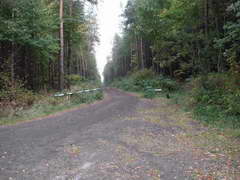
column 109, row 21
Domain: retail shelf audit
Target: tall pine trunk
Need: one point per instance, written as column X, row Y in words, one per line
column 206, row 13
column 70, row 38
column 61, row 66
column 142, row 55
column 12, row 56
column 12, row 63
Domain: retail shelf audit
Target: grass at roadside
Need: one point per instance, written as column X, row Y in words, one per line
column 218, row 150
column 45, row 105
column 213, row 100
column 208, row 115
column 205, row 110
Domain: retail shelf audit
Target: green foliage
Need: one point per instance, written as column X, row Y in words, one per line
column 232, row 103
column 214, row 115
column 126, row 84
column 75, row 79
column 168, row 84
column 30, row 25
column 207, row 89
column 218, row 97
column 177, row 38
column 149, row 93
column 30, row 44
column 181, row 40
column 98, row 95
column 143, row 75
column 13, row 94
column 230, row 42
column 86, row 97
column 44, row 105
column 146, row 81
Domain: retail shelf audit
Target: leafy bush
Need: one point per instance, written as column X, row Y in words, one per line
column 14, row 94
column 75, row 79
column 143, row 75
column 126, row 84
column 145, row 81
column 232, row 103
column 217, row 89
column 98, row 95
column 149, row 93
column 86, row 97
column 18, row 102
column 168, row 84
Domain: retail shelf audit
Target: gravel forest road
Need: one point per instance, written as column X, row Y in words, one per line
column 122, row 137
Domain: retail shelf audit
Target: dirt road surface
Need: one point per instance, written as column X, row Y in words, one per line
column 123, row 137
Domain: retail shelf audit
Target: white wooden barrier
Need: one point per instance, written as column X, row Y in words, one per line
column 78, row 92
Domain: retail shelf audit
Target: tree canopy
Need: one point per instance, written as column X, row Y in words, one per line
column 29, row 41
column 177, row 38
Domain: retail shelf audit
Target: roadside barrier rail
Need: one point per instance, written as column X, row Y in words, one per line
column 77, row 92
column 157, row 90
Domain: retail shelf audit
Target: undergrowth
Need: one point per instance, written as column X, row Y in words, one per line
column 216, row 100
column 213, row 99
column 19, row 104
column 145, row 82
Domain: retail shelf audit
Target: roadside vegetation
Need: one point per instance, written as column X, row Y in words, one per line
column 18, row 104
column 213, row 99
column 46, row 47
column 189, row 49
column 203, row 107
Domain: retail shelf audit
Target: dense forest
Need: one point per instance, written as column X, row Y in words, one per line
column 46, row 46
column 183, row 40
column 178, row 38
column 44, row 42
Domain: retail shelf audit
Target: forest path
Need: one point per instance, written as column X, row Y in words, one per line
column 120, row 138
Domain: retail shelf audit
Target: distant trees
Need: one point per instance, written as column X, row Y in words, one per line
column 44, row 41
column 177, row 38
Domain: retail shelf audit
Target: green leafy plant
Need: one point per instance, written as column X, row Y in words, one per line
column 150, row 93
column 75, row 79
column 218, row 97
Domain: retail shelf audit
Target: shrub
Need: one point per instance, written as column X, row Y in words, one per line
column 75, row 79
column 126, row 84
column 86, row 97
column 168, row 84
column 209, row 89
column 14, row 94
column 218, row 90
column 149, row 94
column 98, row 95
column 232, row 103
column 143, row 75
column 145, row 80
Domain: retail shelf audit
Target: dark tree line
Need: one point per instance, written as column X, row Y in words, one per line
column 177, row 38
column 44, row 42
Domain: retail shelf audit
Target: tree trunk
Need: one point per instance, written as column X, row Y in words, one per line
column 12, row 63
column 138, row 54
column 206, row 17
column 83, row 65
column 61, row 71
column 78, row 65
column 12, row 56
column 142, row 56
column 70, row 38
